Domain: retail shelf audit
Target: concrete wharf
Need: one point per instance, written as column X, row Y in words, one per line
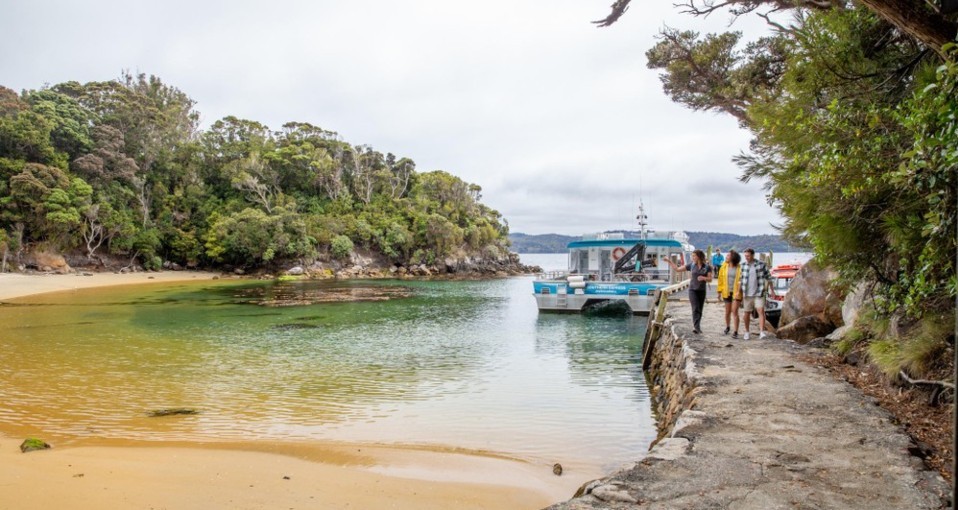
column 747, row 424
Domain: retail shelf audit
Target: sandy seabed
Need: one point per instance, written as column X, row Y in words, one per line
column 256, row 475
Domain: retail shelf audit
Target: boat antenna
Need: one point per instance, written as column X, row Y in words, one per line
column 643, row 220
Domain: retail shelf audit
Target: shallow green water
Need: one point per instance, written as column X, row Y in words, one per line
column 461, row 364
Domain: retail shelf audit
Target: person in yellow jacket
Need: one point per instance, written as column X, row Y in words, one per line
column 729, row 289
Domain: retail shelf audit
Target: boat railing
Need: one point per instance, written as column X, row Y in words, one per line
column 552, row 275
column 659, row 275
column 652, row 275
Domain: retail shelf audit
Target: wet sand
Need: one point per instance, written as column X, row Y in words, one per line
column 202, row 478
column 93, row 475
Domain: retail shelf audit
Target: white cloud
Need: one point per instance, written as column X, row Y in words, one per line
column 560, row 122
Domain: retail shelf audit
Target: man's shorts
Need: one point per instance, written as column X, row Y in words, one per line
column 750, row 303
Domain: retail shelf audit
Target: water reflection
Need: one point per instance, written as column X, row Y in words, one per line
column 602, row 351
column 468, row 364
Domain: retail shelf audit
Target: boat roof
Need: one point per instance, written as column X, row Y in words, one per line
column 591, row 243
column 786, row 270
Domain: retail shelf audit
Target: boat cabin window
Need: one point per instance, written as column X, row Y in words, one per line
column 579, row 261
column 781, row 284
column 598, row 262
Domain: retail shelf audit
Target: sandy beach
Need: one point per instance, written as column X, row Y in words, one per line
column 14, row 285
column 95, row 475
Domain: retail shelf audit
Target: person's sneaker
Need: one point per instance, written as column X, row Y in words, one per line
column 735, row 334
column 747, row 336
column 726, row 330
column 762, row 335
column 697, row 331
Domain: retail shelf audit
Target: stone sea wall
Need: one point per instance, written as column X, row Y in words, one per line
column 674, row 381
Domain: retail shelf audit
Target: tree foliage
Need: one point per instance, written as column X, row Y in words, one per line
column 121, row 167
column 919, row 19
column 852, row 108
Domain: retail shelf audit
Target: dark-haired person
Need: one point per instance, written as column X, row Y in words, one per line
column 701, row 274
column 755, row 282
column 729, row 281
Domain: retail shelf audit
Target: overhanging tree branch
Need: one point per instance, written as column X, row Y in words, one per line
column 914, row 17
column 618, row 9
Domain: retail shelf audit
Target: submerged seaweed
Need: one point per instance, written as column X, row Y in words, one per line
column 294, row 326
column 171, row 412
column 285, row 294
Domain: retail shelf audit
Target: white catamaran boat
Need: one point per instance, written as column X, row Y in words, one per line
column 613, row 267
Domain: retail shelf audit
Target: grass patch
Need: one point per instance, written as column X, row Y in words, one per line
column 873, row 322
column 886, row 355
column 927, row 344
column 849, row 341
column 924, row 348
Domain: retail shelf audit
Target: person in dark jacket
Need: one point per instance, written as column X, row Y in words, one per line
column 701, row 274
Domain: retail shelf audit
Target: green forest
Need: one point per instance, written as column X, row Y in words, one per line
column 853, row 123
column 853, row 112
column 120, row 169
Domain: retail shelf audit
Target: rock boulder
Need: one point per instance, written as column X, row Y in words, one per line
column 48, row 262
column 805, row 329
column 853, row 303
column 33, row 444
column 811, row 293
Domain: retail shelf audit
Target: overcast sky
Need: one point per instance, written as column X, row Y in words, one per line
column 560, row 122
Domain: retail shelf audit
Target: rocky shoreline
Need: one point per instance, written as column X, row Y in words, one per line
column 748, row 424
column 360, row 265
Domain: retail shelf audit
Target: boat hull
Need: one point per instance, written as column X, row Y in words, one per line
column 559, row 296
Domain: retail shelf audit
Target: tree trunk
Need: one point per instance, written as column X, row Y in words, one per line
column 914, row 19
column 18, row 231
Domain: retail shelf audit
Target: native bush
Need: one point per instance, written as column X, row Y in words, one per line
column 341, row 247
column 122, row 165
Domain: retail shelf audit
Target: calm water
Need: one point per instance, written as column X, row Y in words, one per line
column 462, row 364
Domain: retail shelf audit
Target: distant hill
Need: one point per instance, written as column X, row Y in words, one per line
column 761, row 243
column 542, row 243
column 556, row 243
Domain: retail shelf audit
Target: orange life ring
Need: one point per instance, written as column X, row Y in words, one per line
column 617, row 253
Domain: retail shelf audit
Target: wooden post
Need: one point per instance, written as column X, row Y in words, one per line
column 650, row 324
column 652, row 331
column 656, row 317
